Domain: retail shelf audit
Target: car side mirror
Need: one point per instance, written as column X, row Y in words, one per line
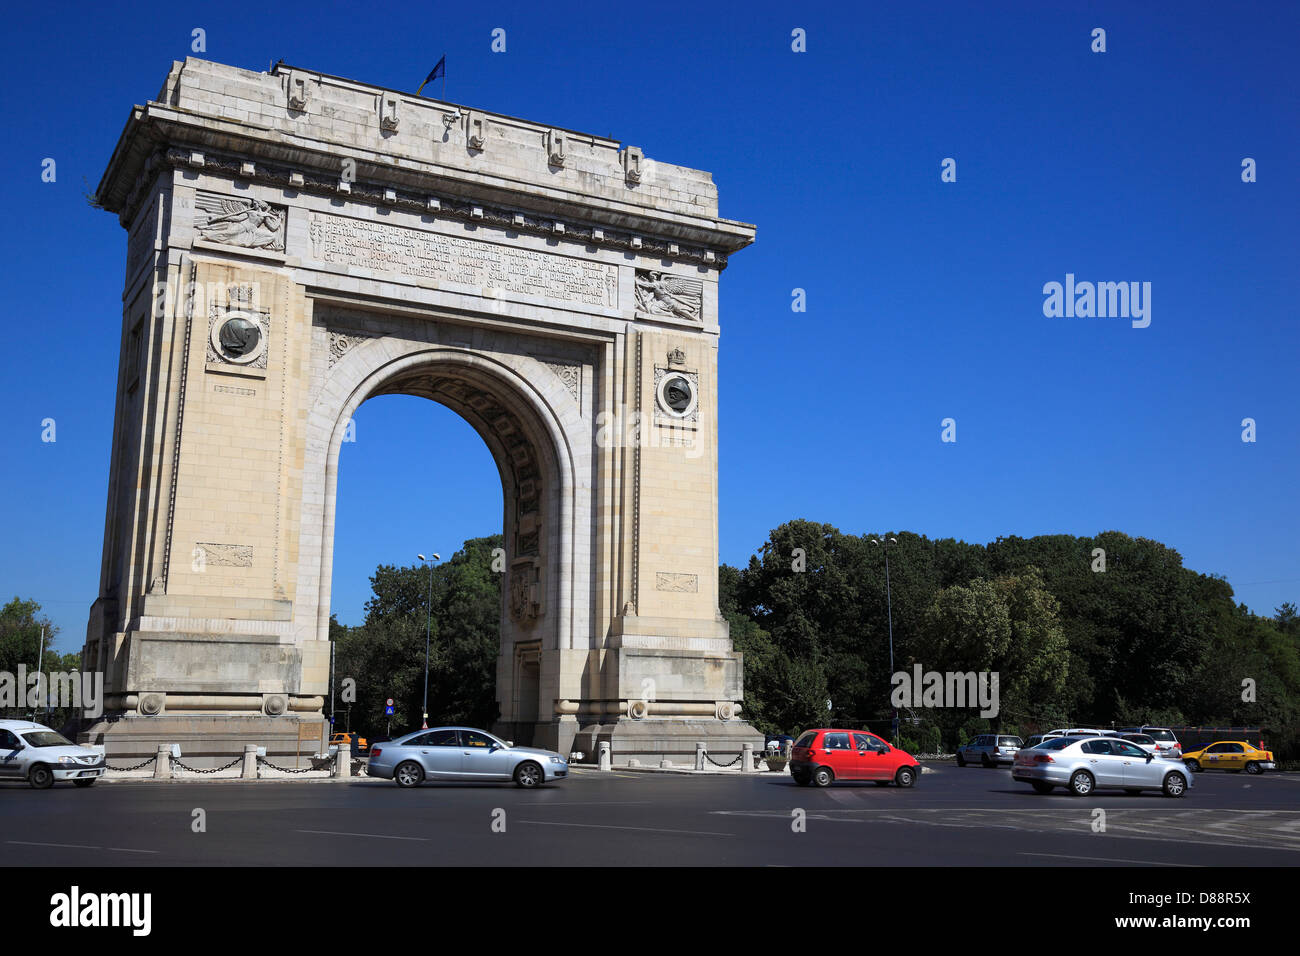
column 1150, row 757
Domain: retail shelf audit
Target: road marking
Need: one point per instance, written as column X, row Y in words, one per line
column 78, row 846
column 1108, row 859
column 599, row 826
column 369, row 836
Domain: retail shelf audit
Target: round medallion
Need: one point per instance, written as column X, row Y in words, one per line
column 677, row 395
column 238, row 338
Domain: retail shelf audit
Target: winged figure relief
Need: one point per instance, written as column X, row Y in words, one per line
column 661, row 294
column 250, row 223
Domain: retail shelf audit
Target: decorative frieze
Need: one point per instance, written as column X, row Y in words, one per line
column 224, row 555
column 327, row 184
column 239, row 221
column 677, row 582
column 470, row 262
column 658, row 293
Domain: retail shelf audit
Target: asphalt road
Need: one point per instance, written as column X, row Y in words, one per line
column 953, row 817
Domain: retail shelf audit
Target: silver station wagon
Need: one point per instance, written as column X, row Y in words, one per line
column 462, row 753
column 1084, row 764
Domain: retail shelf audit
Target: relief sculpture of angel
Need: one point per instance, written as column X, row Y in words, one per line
column 250, row 223
column 661, row 294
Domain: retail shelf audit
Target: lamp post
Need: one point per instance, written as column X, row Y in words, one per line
column 889, row 607
column 428, row 625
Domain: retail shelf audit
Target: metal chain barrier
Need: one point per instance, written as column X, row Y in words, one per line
column 141, row 765
column 730, row 763
column 266, row 763
column 177, row 762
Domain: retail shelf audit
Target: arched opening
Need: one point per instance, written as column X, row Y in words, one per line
column 498, row 397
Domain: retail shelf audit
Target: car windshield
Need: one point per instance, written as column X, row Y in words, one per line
column 1165, row 736
column 47, row 738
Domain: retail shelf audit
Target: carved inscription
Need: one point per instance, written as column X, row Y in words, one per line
column 410, row 252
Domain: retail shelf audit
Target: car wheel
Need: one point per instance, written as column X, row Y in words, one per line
column 961, row 761
column 1193, row 765
column 528, row 774
column 41, row 777
column 985, row 762
column 1253, row 767
column 1040, row 787
column 1081, row 783
column 905, row 777
column 823, row 777
column 88, row 782
column 408, row 774
column 1175, row 784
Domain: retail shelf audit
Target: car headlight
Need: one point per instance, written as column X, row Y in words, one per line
column 556, row 758
column 66, row 759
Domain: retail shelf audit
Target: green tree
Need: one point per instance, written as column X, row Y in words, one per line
column 385, row 654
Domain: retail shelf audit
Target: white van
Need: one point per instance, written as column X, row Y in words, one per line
column 39, row 755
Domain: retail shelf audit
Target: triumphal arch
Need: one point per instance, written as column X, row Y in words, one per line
column 298, row 243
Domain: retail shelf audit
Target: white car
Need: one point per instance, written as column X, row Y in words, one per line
column 39, row 755
column 1075, row 732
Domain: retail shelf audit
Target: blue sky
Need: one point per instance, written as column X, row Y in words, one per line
column 924, row 298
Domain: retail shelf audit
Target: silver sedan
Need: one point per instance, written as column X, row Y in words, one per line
column 1084, row 764
column 462, row 753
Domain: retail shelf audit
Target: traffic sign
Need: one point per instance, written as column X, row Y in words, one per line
column 389, row 702
column 389, row 710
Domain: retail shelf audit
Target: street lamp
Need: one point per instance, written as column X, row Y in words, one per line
column 428, row 625
column 889, row 606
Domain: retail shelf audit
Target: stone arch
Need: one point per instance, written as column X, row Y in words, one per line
column 535, row 432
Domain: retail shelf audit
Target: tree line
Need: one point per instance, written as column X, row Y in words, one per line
column 1083, row 631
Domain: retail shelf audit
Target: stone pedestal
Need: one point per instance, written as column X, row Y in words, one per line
column 206, row 741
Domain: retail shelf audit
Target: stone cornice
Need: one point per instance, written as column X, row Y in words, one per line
column 156, row 133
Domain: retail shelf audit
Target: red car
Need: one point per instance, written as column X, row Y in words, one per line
column 823, row 756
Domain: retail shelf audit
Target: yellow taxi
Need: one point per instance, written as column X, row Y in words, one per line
column 356, row 742
column 1233, row 755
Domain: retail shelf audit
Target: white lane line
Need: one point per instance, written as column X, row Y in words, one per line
column 599, row 826
column 1108, row 859
column 79, row 846
column 368, row 836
